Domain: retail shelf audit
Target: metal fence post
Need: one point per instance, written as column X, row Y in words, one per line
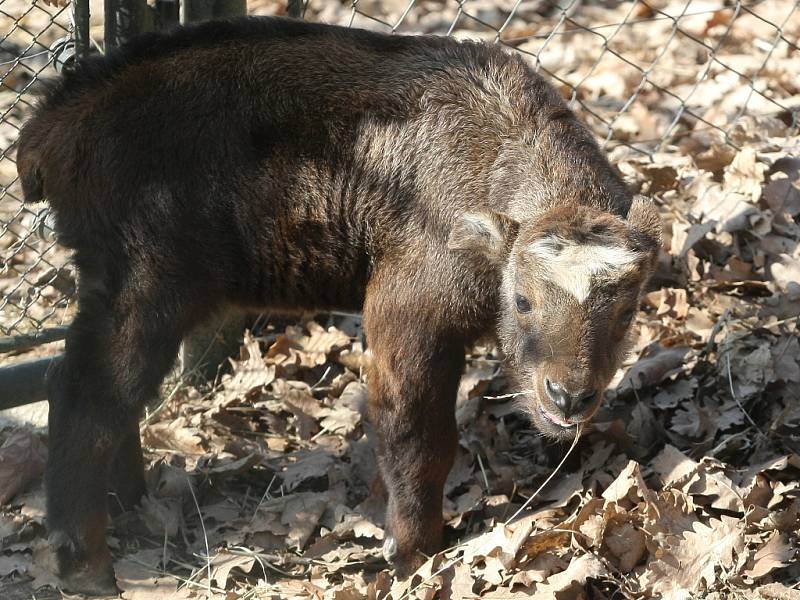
column 82, row 34
column 167, row 14
column 210, row 344
column 25, row 383
column 295, row 9
column 202, row 10
column 123, row 19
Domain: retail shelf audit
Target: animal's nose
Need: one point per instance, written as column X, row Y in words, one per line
column 568, row 403
column 559, row 396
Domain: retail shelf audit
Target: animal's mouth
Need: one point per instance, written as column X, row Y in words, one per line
column 556, row 420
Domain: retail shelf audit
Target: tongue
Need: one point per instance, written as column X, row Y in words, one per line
column 557, row 420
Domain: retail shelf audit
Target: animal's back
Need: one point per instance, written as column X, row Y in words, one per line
column 225, row 98
column 285, row 151
column 297, row 156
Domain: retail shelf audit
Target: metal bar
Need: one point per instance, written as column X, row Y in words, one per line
column 18, row 343
column 25, row 383
column 229, row 8
column 167, row 14
column 207, row 347
column 193, row 11
column 82, row 32
column 196, row 10
column 294, row 9
column 123, row 20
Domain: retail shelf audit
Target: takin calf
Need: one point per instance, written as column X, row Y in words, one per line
column 441, row 187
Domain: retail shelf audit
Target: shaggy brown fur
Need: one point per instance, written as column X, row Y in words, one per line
column 267, row 162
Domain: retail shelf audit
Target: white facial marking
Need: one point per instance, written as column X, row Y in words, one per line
column 572, row 265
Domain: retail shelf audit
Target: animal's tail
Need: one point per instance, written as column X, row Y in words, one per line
column 28, row 157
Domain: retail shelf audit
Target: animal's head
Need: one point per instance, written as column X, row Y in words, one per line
column 571, row 284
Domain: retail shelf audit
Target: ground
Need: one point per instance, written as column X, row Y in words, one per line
column 687, row 484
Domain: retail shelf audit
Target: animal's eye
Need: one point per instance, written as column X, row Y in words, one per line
column 523, row 306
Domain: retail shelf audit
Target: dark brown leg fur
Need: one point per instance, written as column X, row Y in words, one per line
column 413, row 380
column 76, row 476
column 127, row 471
column 118, row 350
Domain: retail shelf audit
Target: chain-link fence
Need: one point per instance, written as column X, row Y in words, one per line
column 646, row 75
column 35, row 285
column 690, row 64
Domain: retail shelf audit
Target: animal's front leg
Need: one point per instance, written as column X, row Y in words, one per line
column 413, row 380
column 414, row 465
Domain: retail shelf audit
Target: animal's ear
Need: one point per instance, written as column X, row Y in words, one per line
column 487, row 234
column 645, row 225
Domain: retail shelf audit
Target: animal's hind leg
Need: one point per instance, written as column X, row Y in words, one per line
column 118, row 350
column 127, row 471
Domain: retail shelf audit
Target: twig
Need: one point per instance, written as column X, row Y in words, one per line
column 166, row 573
column 183, row 380
column 789, row 339
column 780, row 322
column 321, row 379
column 164, row 551
column 483, row 472
column 263, row 497
column 553, row 474
column 726, row 440
column 513, row 395
column 510, row 499
column 263, row 560
column 205, row 535
column 739, row 402
column 161, row 405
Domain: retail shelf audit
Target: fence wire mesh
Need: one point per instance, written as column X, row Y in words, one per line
column 643, row 73
column 35, row 281
column 647, row 75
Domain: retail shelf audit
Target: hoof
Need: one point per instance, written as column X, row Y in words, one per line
column 91, row 583
column 77, row 574
column 390, row 549
column 404, row 564
column 405, row 567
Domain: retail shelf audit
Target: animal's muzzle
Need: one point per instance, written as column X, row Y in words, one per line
column 569, row 402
